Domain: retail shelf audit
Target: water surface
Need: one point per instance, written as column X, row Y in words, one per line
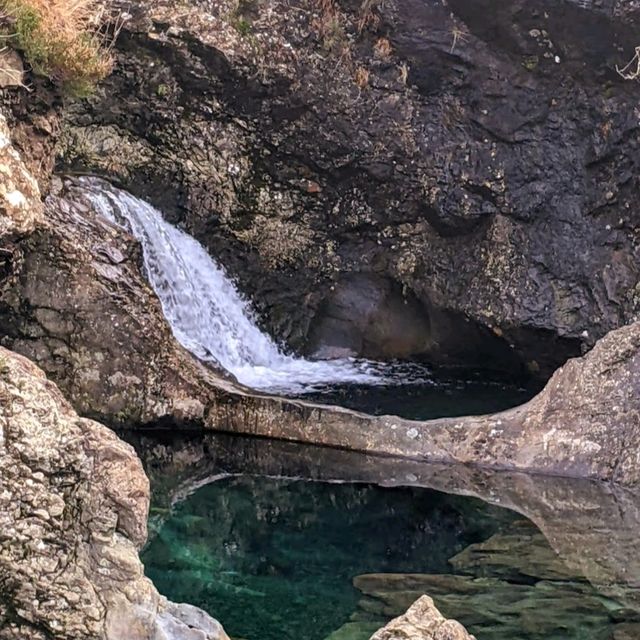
column 436, row 397
column 292, row 559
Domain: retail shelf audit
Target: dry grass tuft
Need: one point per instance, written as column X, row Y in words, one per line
column 361, row 77
column 369, row 19
column 61, row 40
column 382, row 48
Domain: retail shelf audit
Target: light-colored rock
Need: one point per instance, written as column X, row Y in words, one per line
column 73, row 509
column 21, row 208
column 422, row 622
column 11, row 69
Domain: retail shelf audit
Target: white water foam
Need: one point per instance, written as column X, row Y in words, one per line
column 207, row 313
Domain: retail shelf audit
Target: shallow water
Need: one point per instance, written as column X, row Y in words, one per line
column 274, row 559
column 277, row 558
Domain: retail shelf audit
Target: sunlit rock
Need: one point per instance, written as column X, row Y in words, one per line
column 422, row 622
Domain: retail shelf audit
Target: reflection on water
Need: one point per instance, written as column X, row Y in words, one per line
column 275, row 558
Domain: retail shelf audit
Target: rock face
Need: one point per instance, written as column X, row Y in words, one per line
column 77, row 304
column 73, row 511
column 482, row 158
column 422, row 622
column 20, row 205
column 72, row 299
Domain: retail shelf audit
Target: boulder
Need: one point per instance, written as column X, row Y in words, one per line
column 422, row 622
column 73, row 511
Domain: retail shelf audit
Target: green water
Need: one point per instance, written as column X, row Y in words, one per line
column 276, row 559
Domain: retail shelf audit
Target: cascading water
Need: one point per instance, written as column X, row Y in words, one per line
column 205, row 310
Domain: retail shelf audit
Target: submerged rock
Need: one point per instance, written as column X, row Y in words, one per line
column 502, row 610
column 422, row 622
column 589, row 528
column 517, row 555
column 73, row 511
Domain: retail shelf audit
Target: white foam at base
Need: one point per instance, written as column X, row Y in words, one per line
column 207, row 313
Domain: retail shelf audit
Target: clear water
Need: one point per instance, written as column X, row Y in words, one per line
column 276, row 559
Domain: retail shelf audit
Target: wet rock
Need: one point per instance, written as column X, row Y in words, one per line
column 501, row 610
column 422, row 622
column 73, row 511
column 625, row 632
column 354, row 631
column 79, row 307
column 591, row 527
column 487, row 166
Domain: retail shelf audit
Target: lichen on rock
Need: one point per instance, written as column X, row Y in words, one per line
column 73, row 509
column 471, row 169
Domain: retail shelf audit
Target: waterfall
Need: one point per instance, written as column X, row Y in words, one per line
column 207, row 313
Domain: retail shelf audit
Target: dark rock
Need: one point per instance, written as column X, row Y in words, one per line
column 365, row 315
column 487, row 169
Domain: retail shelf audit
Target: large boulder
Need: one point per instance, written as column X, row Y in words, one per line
column 481, row 158
column 73, row 510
